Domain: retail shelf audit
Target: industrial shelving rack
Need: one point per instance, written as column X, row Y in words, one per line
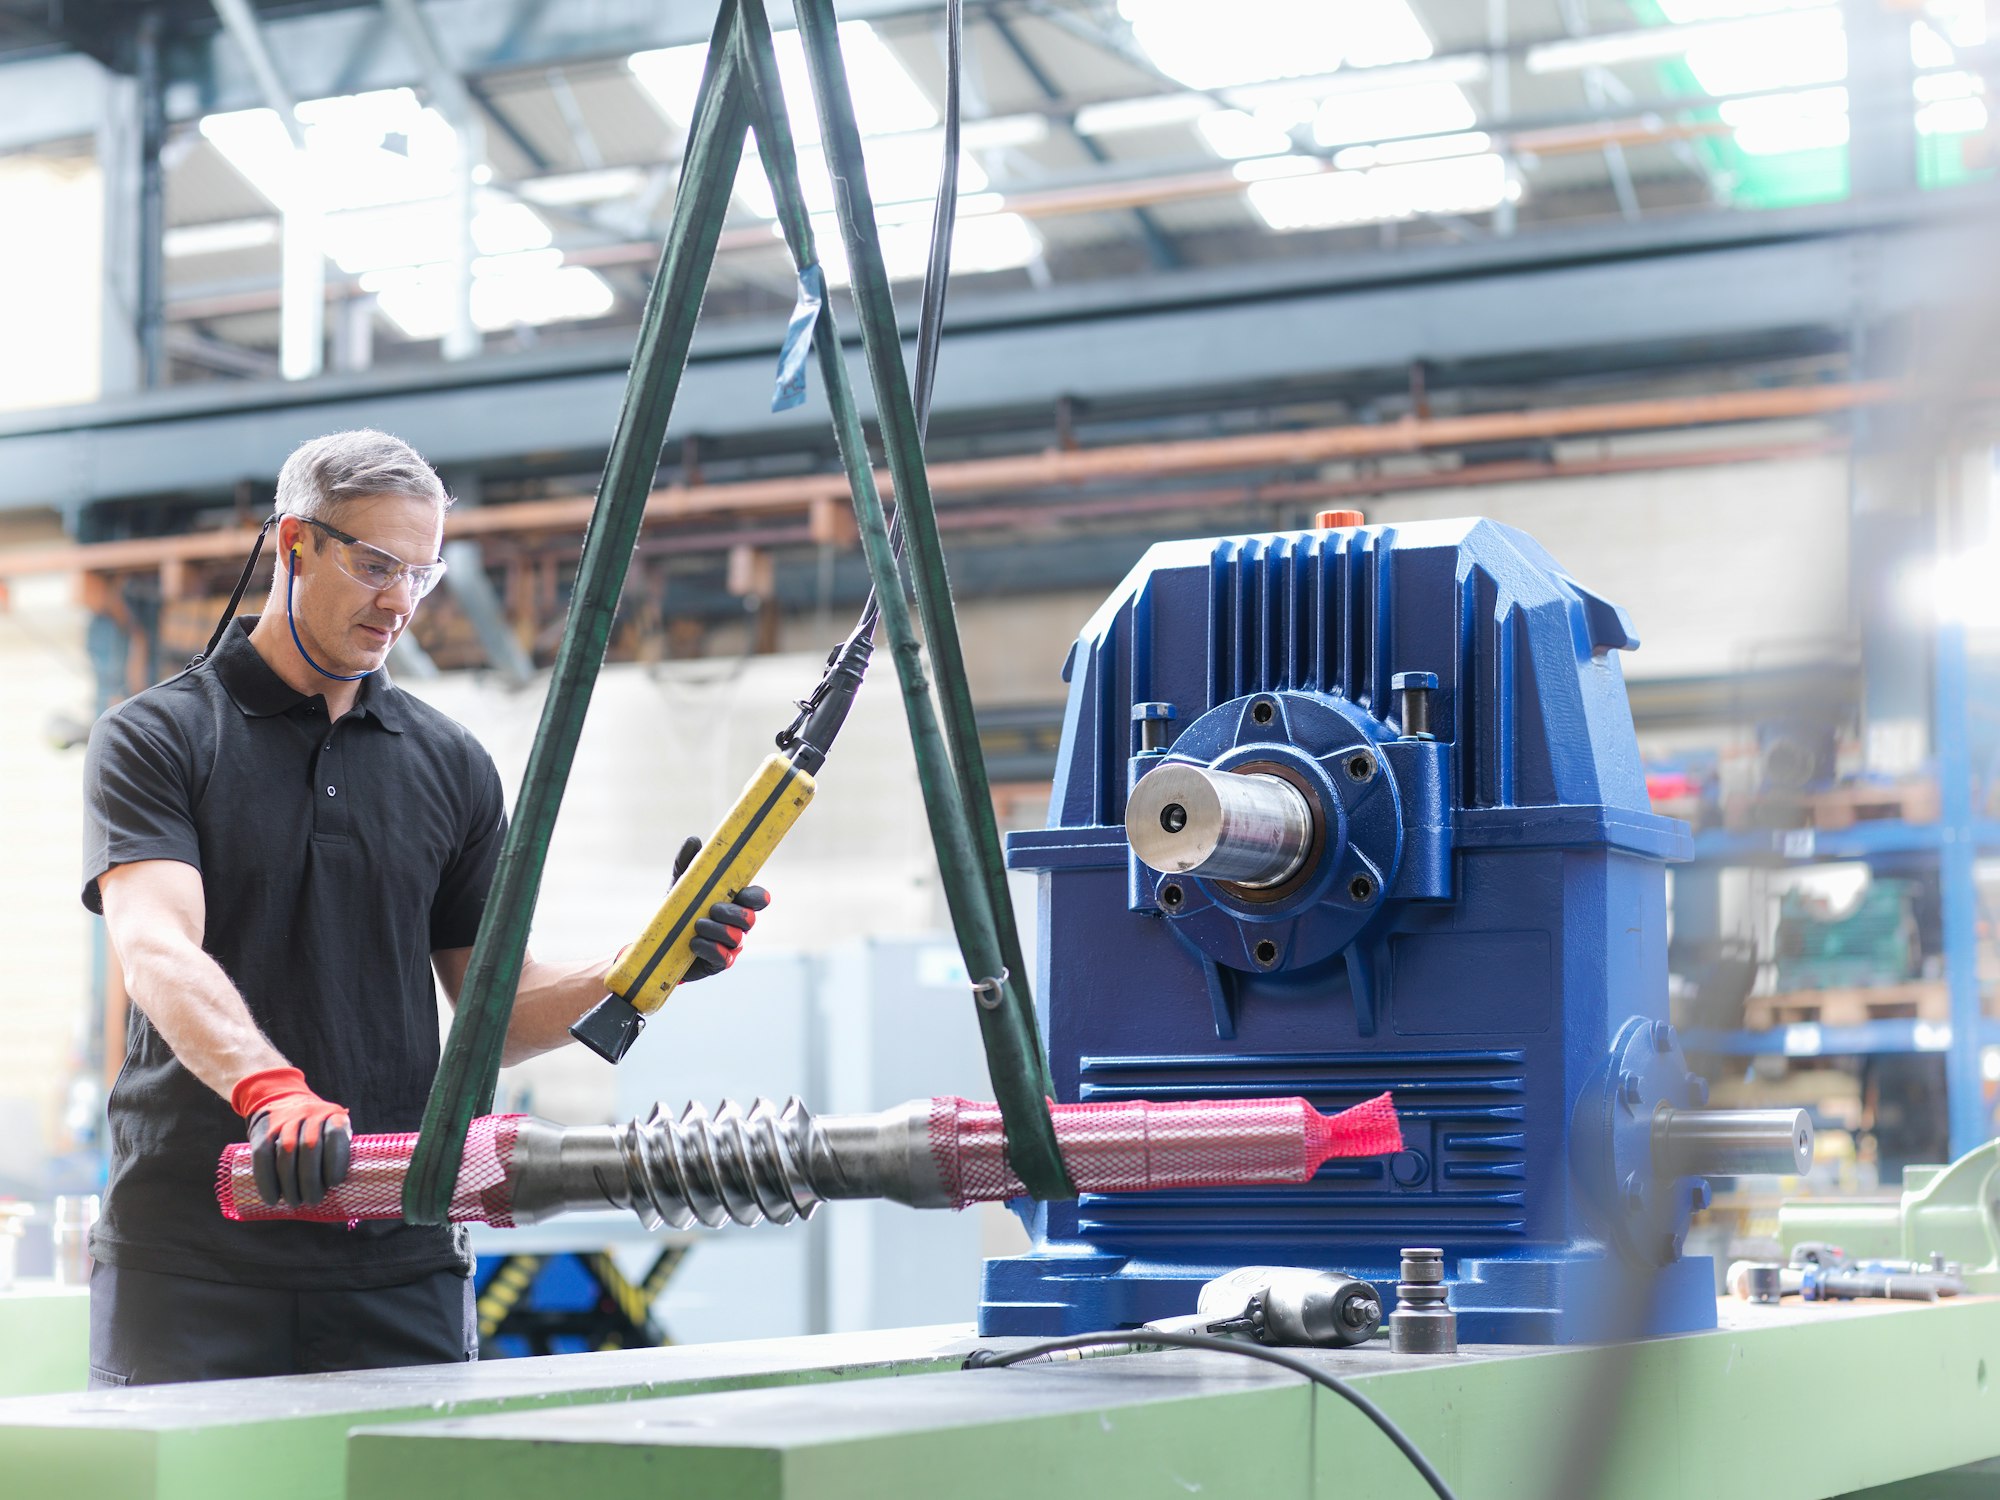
column 1955, row 842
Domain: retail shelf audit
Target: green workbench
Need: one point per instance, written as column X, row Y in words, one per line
column 44, row 1338
column 1793, row 1403
column 254, row 1438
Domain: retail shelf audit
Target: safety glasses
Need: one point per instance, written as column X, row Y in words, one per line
column 374, row 569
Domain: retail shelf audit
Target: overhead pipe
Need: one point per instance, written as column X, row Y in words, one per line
column 1065, row 468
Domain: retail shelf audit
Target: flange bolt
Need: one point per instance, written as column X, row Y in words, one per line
column 1415, row 689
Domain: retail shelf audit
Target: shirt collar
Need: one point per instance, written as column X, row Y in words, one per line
column 261, row 692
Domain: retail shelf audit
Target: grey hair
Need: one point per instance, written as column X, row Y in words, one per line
column 323, row 475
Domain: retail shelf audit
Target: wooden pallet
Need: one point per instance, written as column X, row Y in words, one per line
column 1916, row 1000
column 1861, row 802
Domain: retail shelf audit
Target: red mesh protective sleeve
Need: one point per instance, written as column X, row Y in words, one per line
column 1130, row 1147
column 373, row 1188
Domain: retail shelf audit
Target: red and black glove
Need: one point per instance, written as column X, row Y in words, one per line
column 300, row 1145
column 718, row 937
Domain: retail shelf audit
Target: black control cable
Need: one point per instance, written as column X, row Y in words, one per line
column 849, row 660
column 1000, row 1359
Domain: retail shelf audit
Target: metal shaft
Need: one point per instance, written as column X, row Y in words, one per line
column 1732, row 1142
column 1184, row 819
column 740, row 1165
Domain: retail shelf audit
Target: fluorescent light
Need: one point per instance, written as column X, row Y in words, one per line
column 219, row 238
column 1964, row 21
column 1464, row 68
column 1807, row 121
column 50, row 298
column 567, row 189
column 499, row 228
column 1424, row 148
column 1325, row 200
column 1770, row 45
column 1416, row 109
column 1928, row 49
column 1234, row 134
column 983, row 242
column 1733, row 26
column 1002, row 132
column 886, row 97
column 1267, row 168
column 531, row 287
column 361, row 150
column 902, row 170
column 1950, row 104
column 1787, row 50
column 1267, row 39
column 1149, row 113
column 424, row 233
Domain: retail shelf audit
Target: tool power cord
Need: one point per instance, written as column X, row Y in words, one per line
column 992, row 1359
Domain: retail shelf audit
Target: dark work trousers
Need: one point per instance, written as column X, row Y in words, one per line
column 146, row 1328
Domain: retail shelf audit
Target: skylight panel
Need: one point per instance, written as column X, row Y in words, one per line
column 1232, row 133
column 1681, row 12
column 1375, row 114
column 568, row 189
column 1328, row 200
column 1776, row 52
column 1272, row 38
column 1777, row 45
column 361, row 150
column 984, row 241
column 1806, row 121
column 1928, row 48
column 886, row 98
column 530, row 287
column 409, row 234
column 1148, row 113
column 1962, row 21
column 1425, row 148
column 1950, row 104
column 901, row 169
column 219, row 238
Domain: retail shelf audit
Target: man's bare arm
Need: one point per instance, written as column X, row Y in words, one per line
column 549, row 997
column 155, row 911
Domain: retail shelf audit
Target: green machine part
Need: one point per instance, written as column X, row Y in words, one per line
column 1951, row 1211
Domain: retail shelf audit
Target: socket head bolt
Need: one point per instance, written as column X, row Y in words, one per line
column 1153, row 720
column 1423, row 1322
column 1414, row 689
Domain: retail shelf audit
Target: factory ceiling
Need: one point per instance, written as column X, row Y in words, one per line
column 1102, row 142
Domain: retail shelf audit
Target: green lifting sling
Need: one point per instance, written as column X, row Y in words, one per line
column 739, row 91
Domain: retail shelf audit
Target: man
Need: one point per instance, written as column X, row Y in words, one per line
column 285, row 848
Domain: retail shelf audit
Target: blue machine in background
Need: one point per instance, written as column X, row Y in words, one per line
column 1401, row 841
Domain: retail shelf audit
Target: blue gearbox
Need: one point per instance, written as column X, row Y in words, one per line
column 1407, row 847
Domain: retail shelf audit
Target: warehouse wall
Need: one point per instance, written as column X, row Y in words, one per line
column 44, row 930
column 1720, row 568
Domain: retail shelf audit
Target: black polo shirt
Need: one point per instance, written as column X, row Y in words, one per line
column 334, row 860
